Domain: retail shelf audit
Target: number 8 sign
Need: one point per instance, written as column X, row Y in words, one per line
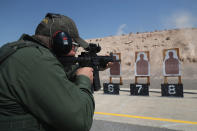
column 172, row 90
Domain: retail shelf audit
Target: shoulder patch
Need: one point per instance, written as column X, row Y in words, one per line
column 45, row 21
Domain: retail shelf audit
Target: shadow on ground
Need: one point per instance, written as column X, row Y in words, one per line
column 100, row 125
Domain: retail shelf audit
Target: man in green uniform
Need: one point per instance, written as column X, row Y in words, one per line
column 35, row 92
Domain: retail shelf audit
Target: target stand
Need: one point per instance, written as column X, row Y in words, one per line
column 171, row 68
column 114, row 72
column 115, row 69
column 142, row 70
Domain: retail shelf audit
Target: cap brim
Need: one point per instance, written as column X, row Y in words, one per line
column 81, row 42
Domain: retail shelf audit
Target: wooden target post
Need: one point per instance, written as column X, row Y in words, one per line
column 142, row 71
column 147, row 77
column 115, row 70
column 166, row 75
column 171, row 68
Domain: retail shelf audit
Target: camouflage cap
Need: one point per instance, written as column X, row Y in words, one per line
column 56, row 22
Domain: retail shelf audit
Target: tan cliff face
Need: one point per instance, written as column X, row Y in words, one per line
column 154, row 42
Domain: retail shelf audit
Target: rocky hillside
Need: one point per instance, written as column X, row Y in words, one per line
column 154, row 42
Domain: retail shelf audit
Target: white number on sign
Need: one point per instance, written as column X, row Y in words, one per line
column 171, row 89
column 111, row 88
column 140, row 87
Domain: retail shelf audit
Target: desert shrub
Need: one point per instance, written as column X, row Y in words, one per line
column 128, row 63
column 168, row 38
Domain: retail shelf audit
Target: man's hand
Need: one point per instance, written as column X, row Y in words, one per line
column 109, row 65
column 86, row 71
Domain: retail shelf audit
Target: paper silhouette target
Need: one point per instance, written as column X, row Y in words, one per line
column 142, row 66
column 171, row 63
column 115, row 70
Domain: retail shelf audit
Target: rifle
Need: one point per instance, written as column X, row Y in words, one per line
column 89, row 58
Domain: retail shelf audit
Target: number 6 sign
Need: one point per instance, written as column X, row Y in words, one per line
column 111, row 88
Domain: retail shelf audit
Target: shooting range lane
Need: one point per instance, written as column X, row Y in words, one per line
column 148, row 118
column 101, row 125
column 175, row 113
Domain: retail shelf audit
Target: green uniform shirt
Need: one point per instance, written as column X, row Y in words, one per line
column 33, row 81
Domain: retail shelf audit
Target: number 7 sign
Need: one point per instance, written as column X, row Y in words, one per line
column 139, row 89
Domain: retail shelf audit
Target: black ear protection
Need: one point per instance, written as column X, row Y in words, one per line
column 62, row 43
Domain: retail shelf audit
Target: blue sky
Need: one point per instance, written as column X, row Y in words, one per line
column 97, row 18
